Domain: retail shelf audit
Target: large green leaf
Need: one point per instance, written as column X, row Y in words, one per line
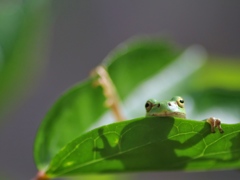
column 215, row 90
column 218, row 73
column 23, row 28
column 138, row 60
column 149, row 144
column 65, row 121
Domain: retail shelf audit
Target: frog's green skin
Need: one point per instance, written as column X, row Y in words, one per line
column 175, row 108
column 172, row 108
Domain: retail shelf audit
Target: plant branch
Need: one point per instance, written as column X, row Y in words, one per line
column 109, row 91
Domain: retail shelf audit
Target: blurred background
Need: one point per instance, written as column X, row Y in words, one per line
column 72, row 37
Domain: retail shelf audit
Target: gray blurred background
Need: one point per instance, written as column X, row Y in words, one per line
column 82, row 34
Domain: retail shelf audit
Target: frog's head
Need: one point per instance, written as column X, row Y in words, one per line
column 172, row 108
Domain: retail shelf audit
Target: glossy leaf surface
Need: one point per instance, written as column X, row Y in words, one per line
column 64, row 121
column 150, row 144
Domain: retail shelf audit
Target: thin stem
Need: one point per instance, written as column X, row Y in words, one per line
column 109, row 91
column 41, row 176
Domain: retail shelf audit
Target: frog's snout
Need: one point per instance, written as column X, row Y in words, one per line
column 172, row 106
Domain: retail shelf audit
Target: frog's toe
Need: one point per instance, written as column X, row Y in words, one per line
column 212, row 124
column 215, row 122
column 218, row 125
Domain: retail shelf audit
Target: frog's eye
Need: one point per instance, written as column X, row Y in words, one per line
column 148, row 106
column 180, row 102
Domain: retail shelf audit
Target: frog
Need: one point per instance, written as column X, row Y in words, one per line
column 175, row 108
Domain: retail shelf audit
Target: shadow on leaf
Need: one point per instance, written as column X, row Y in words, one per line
column 141, row 142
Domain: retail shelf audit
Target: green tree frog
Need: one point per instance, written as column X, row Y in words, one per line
column 175, row 108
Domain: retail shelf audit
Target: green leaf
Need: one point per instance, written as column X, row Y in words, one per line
column 149, row 144
column 23, row 27
column 137, row 60
column 65, row 121
column 216, row 88
column 219, row 73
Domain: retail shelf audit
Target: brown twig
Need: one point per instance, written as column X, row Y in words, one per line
column 109, row 91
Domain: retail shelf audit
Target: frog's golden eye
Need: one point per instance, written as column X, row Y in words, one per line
column 180, row 102
column 148, row 106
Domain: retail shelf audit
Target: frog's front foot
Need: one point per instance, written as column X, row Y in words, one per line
column 215, row 122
